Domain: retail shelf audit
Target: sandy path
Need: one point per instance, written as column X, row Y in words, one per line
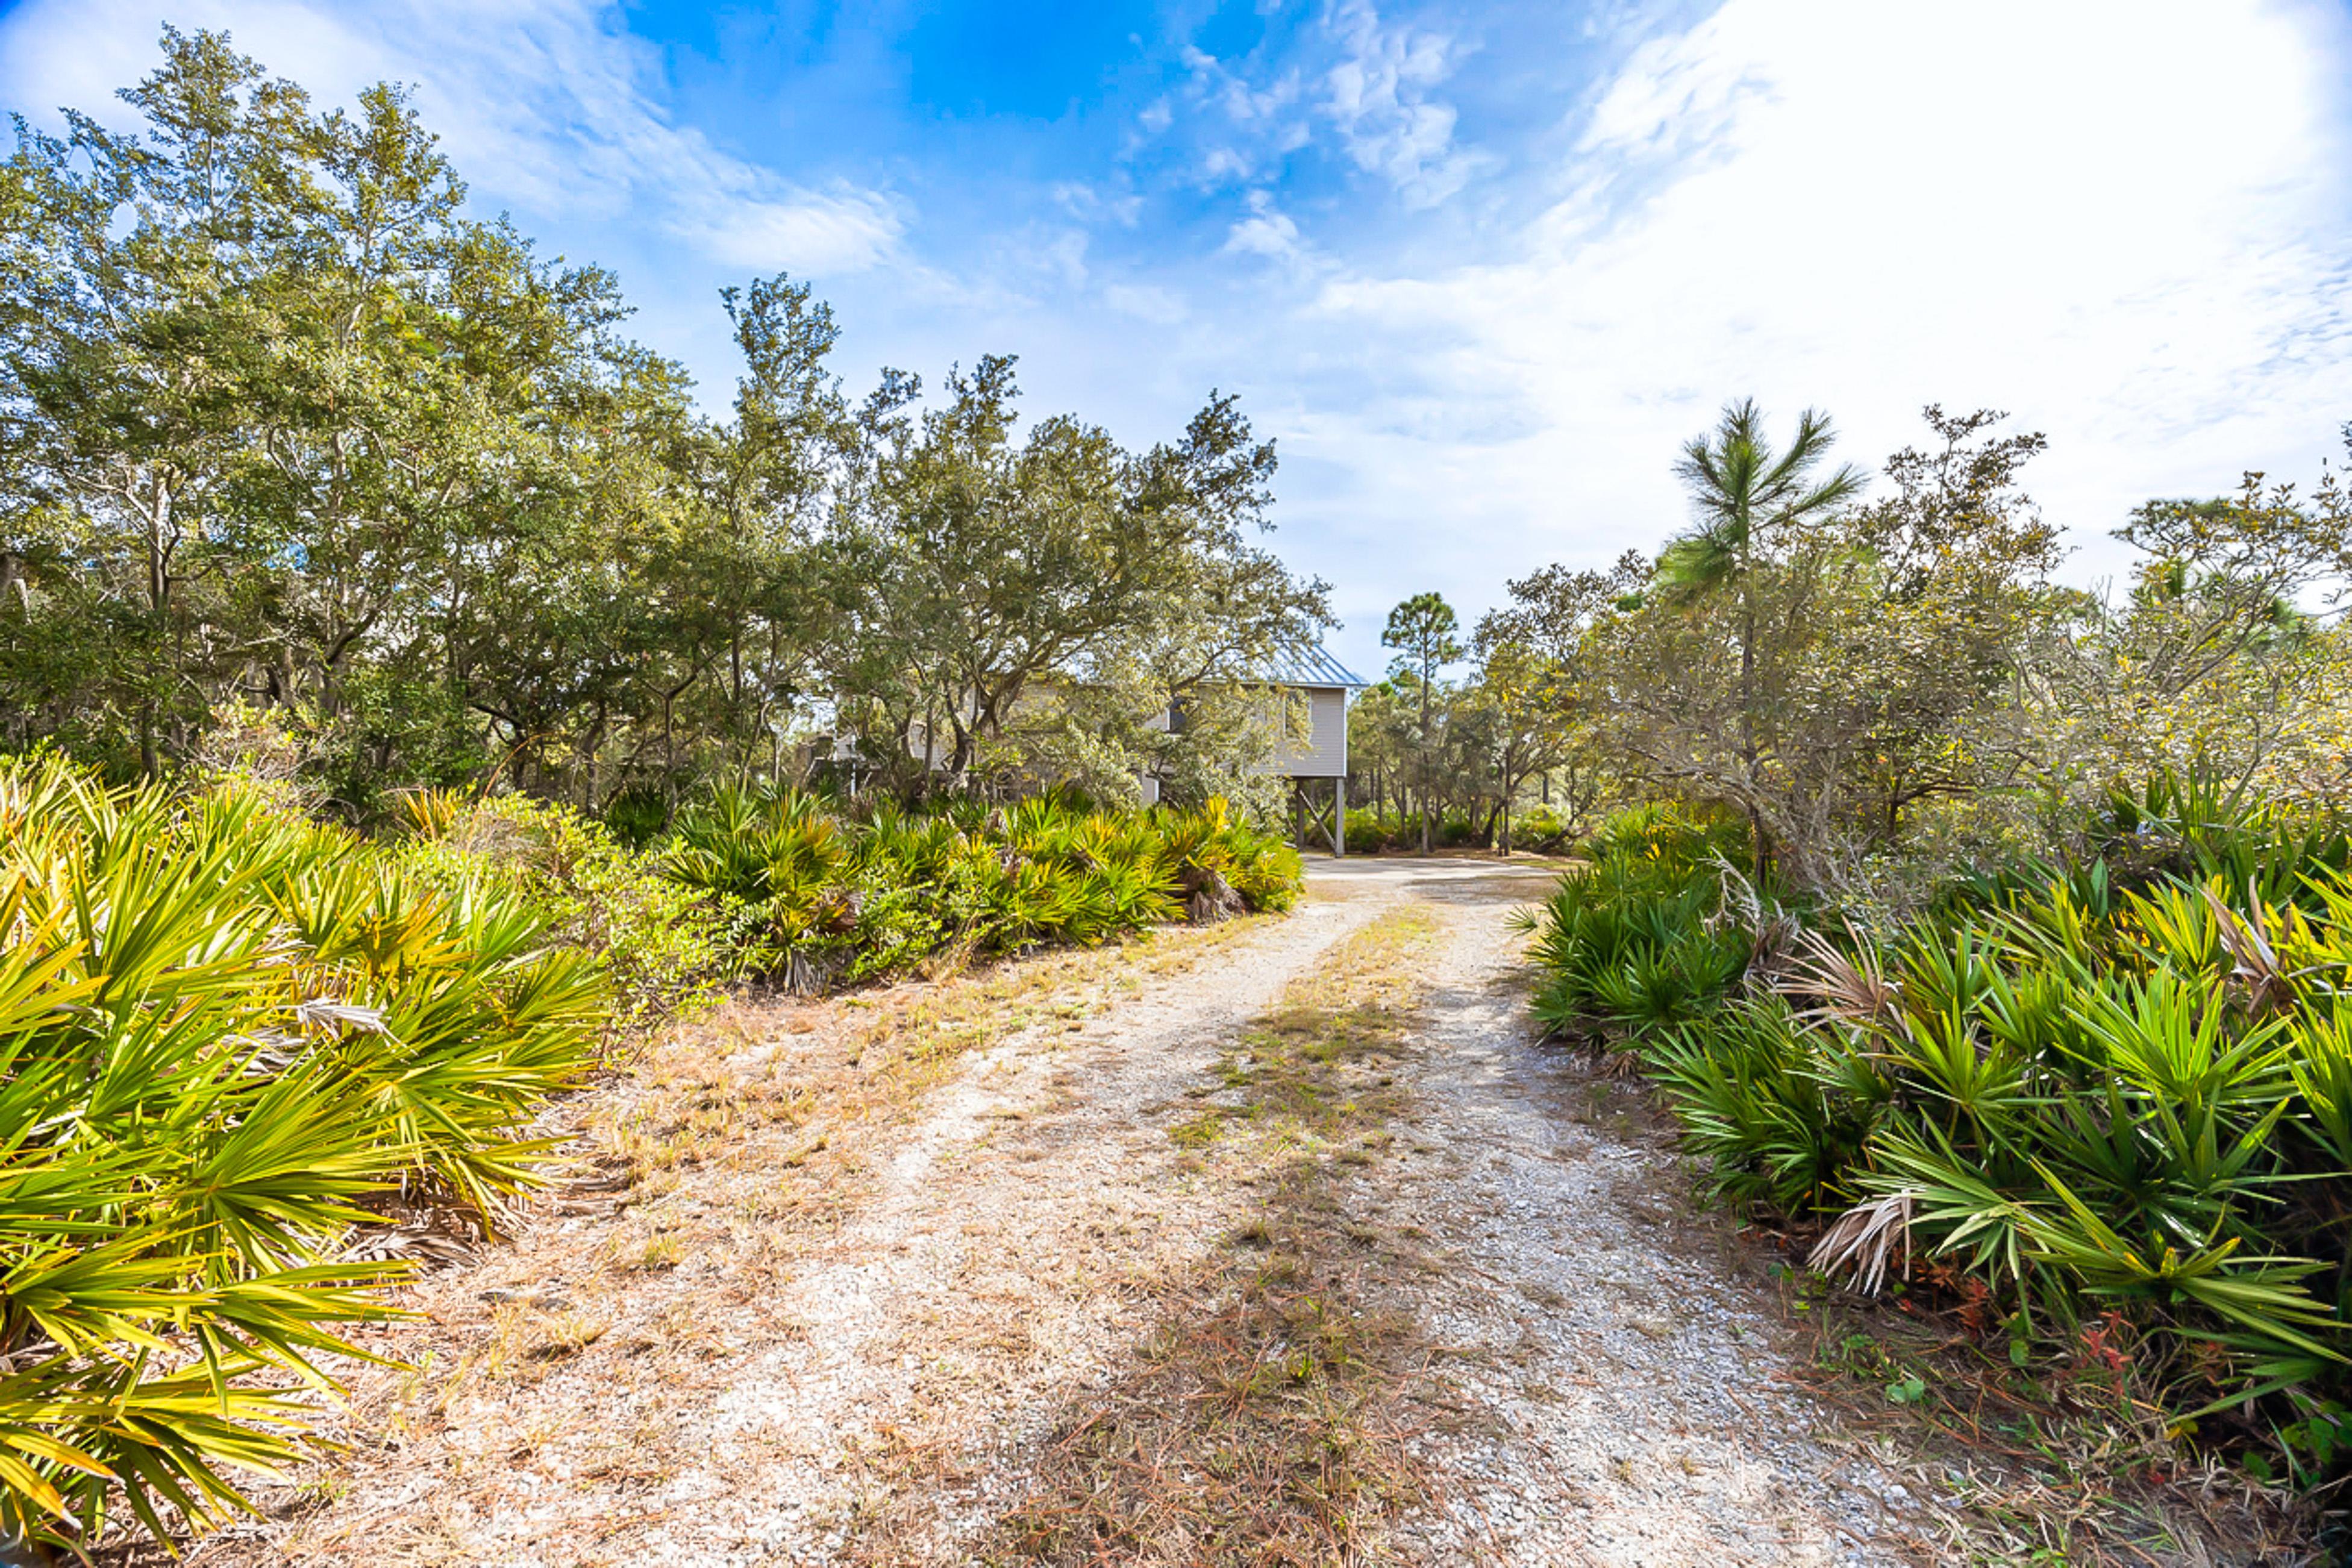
column 1636, row 1417
column 995, row 1271
column 879, row 1384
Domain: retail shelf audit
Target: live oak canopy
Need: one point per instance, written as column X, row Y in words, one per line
column 283, row 421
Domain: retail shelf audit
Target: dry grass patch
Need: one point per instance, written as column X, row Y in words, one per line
column 2028, row 1466
column 537, row 1411
column 1267, row 1417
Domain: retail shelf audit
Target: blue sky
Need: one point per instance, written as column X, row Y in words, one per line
column 1480, row 269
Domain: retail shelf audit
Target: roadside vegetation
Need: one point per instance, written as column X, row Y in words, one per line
column 241, row 1049
column 814, row 894
column 256, row 1064
column 1990, row 934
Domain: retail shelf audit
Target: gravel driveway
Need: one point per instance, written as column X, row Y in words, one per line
column 872, row 1374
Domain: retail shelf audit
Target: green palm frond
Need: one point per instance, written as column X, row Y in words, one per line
column 226, row 1032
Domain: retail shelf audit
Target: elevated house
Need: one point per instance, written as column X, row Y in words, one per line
column 1312, row 756
column 1317, row 762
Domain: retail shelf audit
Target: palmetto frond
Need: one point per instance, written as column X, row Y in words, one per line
column 828, row 897
column 2093, row 1097
column 1865, row 1239
column 225, row 1032
column 1847, row 985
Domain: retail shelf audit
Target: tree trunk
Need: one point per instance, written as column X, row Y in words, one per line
column 1761, row 850
column 1424, row 740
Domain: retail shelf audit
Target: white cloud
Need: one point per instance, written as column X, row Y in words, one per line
column 2124, row 222
column 1215, row 82
column 1378, row 97
column 1265, row 116
column 1220, row 165
column 804, row 232
column 541, row 103
column 1266, row 232
column 1087, row 203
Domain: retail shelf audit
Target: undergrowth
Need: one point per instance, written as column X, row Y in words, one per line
column 2062, row 1459
column 233, row 1041
column 2099, row 1109
column 818, row 895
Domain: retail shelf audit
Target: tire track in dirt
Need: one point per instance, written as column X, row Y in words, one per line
column 1015, row 1232
column 820, row 1347
column 1622, row 1383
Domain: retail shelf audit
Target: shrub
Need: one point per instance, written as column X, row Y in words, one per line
column 228, row 1036
column 1781, row 1112
column 1638, row 940
column 818, row 896
column 2121, row 1086
column 1540, row 830
column 661, row 944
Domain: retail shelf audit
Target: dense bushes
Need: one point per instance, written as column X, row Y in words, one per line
column 1537, row 830
column 229, row 1039
column 1635, row 940
column 662, row 945
column 2119, row 1087
column 235, row 1043
column 817, row 896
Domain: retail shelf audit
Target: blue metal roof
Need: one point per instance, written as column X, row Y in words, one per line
column 1310, row 667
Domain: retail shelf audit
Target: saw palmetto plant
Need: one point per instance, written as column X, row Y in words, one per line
column 1638, row 941
column 822, row 895
column 2098, row 1088
column 229, row 1039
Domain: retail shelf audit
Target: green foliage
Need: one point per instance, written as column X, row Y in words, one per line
column 818, row 895
column 280, row 418
column 1545, row 831
column 2196, row 822
column 2122, row 1087
column 228, row 1037
column 1781, row 1112
column 1892, row 689
column 1635, row 942
column 661, row 944
column 1537, row 830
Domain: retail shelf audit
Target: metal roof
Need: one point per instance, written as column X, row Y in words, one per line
column 1310, row 667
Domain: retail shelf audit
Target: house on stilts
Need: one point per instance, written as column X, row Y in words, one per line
column 1312, row 748
column 1306, row 693
column 1317, row 762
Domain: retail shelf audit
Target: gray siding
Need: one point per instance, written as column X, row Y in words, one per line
column 1324, row 753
